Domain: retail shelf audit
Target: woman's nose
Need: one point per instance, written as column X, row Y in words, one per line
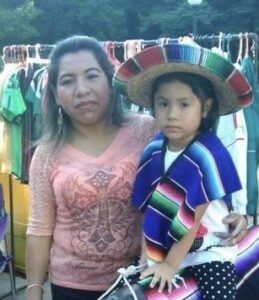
column 82, row 87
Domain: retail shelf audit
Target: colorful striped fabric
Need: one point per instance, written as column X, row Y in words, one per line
column 203, row 172
column 246, row 264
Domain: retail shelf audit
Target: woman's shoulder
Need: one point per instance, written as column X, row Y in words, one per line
column 44, row 154
column 46, row 148
column 140, row 122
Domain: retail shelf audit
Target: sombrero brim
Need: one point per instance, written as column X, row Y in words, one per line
column 135, row 76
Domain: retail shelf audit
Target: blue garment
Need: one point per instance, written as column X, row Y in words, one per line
column 203, row 172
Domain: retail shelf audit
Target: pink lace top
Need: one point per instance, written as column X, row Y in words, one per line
column 84, row 202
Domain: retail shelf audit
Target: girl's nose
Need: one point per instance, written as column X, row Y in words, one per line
column 172, row 112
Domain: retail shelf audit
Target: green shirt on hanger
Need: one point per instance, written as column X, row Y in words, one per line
column 12, row 110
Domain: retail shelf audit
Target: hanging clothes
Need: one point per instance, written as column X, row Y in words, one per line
column 20, row 109
column 252, row 120
column 232, row 131
column 12, row 110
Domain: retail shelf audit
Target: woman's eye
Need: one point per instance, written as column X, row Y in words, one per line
column 66, row 82
column 92, row 76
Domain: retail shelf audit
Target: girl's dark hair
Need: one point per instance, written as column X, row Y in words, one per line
column 200, row 86
column 73, row 44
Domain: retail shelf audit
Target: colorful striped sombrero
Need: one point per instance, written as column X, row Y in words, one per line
column 135, row 76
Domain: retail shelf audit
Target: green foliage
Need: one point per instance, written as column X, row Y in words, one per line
column 16, row 22
column 101, row 19
column 46, row 21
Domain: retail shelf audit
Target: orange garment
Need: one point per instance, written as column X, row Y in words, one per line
column 85, row 203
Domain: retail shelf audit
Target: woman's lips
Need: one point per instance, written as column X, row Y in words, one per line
column 85, row 105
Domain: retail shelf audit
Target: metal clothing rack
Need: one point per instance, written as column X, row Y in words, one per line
column 12, row 242
column 21, row 52
column 209, row 41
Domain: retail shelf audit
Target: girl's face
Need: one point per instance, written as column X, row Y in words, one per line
column 82, row 88
column 178, row 113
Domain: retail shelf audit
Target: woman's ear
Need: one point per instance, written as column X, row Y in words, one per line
column 207, row 107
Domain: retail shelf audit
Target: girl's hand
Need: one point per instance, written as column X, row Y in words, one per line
column 162, row 275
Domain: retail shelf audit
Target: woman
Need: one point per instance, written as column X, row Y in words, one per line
column 82, row 226
column 81, row 177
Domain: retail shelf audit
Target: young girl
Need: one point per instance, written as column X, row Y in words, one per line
column 186, row 176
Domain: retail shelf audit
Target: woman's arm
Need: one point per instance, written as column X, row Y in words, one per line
column 238, row 228
column 41, row 223
column 37, row 260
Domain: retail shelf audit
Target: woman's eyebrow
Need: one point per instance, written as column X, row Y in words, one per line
column 68, row 74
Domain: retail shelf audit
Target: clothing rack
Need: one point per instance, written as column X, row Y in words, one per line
column 209, row 41
column 20, row 52
column 12, row 243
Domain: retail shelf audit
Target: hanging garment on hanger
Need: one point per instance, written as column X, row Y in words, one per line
column 132, row 47
column 109, row 48
column 232, row 131
column 33, row 96
column 12, row 110
column 252, row 120
column 5, row 127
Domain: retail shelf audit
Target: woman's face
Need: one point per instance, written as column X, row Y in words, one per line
column 82, row 89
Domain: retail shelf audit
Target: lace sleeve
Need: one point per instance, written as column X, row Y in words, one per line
column 42, row 200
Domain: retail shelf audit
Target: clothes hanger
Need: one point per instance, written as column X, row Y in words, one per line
column 37, row 59
column 228, row 38
column 246, row 45
column 220, row 41
column 240, row 50
column 164, row 41
column 109, row 48
column 132, row 47
column 6, row 55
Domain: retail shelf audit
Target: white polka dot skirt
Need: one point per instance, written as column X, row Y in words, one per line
column 216, row 280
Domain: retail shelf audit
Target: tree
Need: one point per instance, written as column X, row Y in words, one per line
column 102, row 19
column 47, row 21
column 16, row 22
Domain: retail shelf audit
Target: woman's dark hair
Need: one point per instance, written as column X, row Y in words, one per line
column 73, row 44
column 200, row 86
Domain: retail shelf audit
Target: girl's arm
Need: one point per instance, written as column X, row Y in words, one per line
column 143, row 256
column 164, row 272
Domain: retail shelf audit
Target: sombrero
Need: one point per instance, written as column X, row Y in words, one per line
column 134, row 77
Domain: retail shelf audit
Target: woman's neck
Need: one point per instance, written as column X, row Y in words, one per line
column 93, row 140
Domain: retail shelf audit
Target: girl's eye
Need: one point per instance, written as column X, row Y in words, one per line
column 162, row 104
column 184, row 104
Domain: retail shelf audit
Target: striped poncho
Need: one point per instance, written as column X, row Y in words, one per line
column 203, row 172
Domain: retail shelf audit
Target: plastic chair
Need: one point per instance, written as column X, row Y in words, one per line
column 6, row 258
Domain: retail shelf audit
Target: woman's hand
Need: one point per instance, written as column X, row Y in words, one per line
column 238, row 229
column 162, row 275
